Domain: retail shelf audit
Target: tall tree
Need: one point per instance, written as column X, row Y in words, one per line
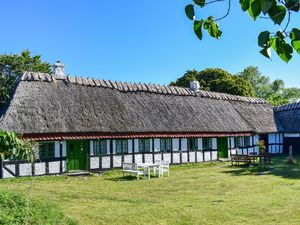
column 12, row 66
column 283, row 42
column 275, row 92
column 217, row 80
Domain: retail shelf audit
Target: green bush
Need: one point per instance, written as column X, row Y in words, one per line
column 13, row 211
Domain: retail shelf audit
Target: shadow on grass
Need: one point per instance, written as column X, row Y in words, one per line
column 278, row 167
column 120, row 178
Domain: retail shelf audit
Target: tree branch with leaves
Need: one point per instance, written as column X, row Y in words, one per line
column 284, row 42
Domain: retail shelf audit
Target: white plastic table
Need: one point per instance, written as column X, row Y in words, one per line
column 148, row 166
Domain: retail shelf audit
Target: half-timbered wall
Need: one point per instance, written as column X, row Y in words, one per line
column 252, row 148
column 178, row 153
column 275, row 143
column 47, row 166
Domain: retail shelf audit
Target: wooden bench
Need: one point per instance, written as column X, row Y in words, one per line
column 132, row 168
column 237, row 159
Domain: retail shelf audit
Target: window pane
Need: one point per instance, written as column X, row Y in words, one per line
column 165, row 144
column 125, row 146
column 118, row 146
column 51, row 149
column 207, row 143
column 144, row 145
column 47, row 149
column 100, row 147
column 192, row 144
column 247, row 141
column 103, row 147
column 147, row 145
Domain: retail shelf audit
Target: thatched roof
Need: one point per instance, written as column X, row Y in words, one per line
column 289, row 116
column 41, row 104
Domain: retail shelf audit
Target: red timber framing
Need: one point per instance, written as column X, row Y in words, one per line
column 97, row 135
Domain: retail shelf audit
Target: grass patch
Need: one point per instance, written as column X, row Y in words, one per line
column 207, row 193
column 14, row 207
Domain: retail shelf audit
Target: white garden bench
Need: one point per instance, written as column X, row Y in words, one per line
column 132, row 168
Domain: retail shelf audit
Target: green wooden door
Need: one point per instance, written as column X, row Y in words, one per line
column 223, row 147
column 77, row 155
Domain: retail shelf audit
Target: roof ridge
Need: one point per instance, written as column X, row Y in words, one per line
column 288, row 106
column 141, row 87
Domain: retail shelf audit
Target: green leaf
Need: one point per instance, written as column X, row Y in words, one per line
column 245, row 4
column 214, row 31
column 190, row 12
column 198, row 28
column 295, row 34
column 283, row 49
column 266, row 5
column 266, row 52
column 206, row 24
column 201, row 3
column 254, row 9
column 263, row 38
column 295, row 37
column 277, row 13
column 293, row 5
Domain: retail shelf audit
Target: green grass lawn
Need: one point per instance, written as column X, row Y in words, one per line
column 207, row 193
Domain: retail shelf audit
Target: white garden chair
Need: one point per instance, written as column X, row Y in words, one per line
column 164, row 167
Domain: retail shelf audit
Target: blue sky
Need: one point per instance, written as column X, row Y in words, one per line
column 147, row 41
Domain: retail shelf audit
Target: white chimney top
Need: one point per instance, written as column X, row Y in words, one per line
column 195, row 85
column 59, row 72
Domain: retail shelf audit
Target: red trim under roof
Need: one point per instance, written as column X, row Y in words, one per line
column 93, row 135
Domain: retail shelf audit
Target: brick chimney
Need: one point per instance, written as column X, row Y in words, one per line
column 58, row 71
column 195, row 85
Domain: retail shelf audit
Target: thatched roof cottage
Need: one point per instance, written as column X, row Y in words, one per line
column 89, row 124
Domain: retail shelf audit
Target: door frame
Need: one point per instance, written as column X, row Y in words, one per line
column 83, row 159
column 223, row 151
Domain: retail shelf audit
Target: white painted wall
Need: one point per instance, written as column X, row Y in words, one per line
column 54, row 167
column 167, row 157
column 184, row 157
column 117, row 161
column 128, row 158
column 94, row 163
column 25, row 169
column 40, row 168
column 106, row 162
column 192, row 157
column 176, row 157
column 199, row 157
column 138, row 158
column 7, row 174
column 207, row 156
column 148, row 158
column 214, row 155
